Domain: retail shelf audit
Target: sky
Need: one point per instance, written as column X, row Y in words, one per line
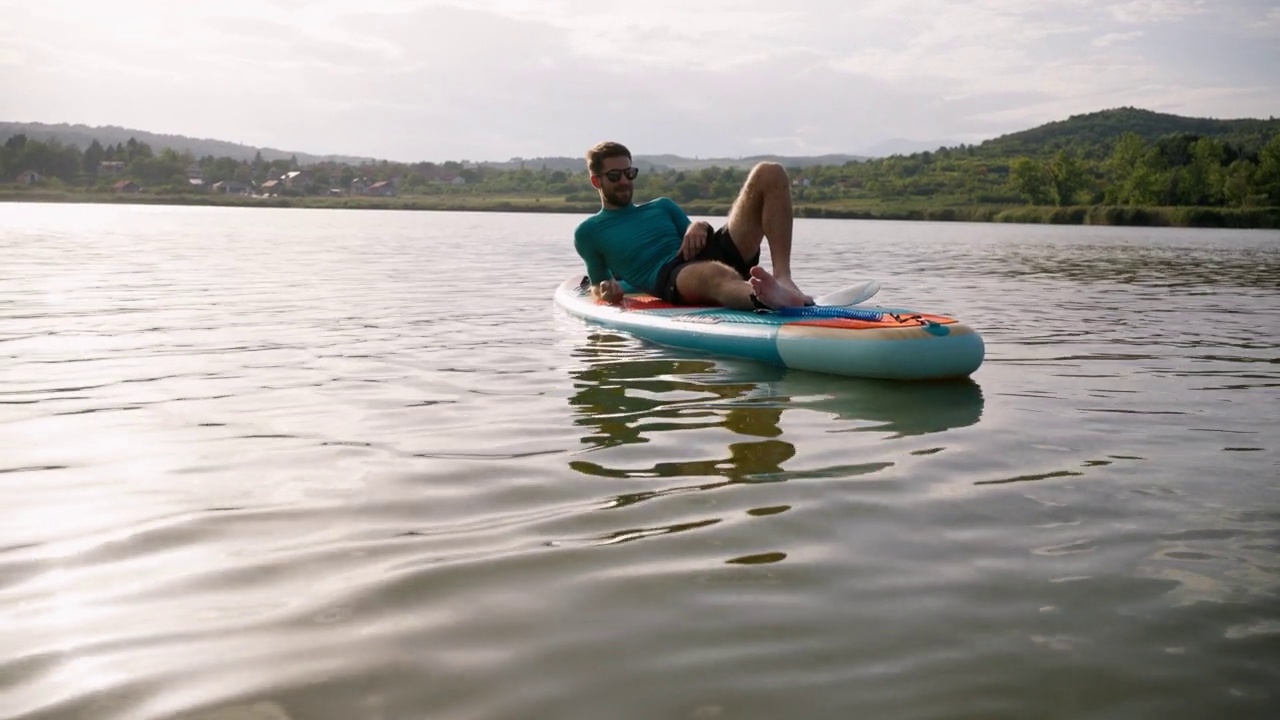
column 477, row 80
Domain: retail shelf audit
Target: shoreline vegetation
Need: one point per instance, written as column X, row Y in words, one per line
column 1100, row 214
column 1115, row 167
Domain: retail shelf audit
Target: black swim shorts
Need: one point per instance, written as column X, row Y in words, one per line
column 719, row 247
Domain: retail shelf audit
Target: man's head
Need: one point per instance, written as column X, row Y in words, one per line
column 611, row 173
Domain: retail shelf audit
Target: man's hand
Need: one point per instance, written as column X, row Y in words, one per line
column 695, row 238
column 610, row 291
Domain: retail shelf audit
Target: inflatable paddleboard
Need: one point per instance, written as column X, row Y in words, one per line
column 855, row 341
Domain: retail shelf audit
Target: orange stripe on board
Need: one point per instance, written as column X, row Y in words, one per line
column 644, row 302
column 649, row 302
column 917, row 320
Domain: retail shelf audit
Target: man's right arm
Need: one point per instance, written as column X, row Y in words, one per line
column 603, row 285
column 609, row 291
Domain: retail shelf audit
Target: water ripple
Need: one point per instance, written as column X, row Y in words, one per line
column 286, row 464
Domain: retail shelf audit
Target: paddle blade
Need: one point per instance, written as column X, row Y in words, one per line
column 851, row 295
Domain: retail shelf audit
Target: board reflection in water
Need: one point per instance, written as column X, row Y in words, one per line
column 628, row 393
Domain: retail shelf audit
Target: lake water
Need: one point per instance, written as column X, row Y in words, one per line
column 336, row 465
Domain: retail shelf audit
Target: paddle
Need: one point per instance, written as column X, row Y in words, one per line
column 852, row 295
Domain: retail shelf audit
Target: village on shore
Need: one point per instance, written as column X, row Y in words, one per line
column 292, row 182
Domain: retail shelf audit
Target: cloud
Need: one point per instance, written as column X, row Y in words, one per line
column 1154, row 11
column 1116, row 38
column 491, row 79
column 1270, row 23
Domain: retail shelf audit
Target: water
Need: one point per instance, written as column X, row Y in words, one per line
column 323, row 464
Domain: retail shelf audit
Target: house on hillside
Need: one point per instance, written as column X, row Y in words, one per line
column 110, row 168
column 383, row 188
column 271, row 187
column 296, row 179
column 231, row 187
column 126, row 186
column 28, row 177
column 195, row 172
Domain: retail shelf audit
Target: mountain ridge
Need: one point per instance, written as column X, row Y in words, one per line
column 82, row 136
column 1086, row 133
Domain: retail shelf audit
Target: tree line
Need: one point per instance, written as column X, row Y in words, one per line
column 1184, row 169
column 1180, row 170
column 65, row 165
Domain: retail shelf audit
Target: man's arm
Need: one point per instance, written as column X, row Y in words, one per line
column 603, row 286
column 609, row 291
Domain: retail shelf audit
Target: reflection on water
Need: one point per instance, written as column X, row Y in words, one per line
column 626, row 396
column 620, row 395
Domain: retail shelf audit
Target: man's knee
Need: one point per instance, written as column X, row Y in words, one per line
column 770, row 173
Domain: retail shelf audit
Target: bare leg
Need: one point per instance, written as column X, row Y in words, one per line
column 717, row 283
column 763, row 211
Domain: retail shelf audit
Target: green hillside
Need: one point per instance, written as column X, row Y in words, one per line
column 1093, row 135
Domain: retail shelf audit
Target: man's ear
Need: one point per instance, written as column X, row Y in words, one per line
column 595, row 181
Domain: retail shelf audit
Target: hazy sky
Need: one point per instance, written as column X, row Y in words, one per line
column 492, row 79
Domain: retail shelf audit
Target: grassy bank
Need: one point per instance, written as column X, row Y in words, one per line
column 1215, row 217
column 1205, row 217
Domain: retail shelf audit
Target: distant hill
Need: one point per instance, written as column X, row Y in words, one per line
column 1094, row 134
column 83, row 135
column 676, row 162
column 1090, row 135
column 902, row 146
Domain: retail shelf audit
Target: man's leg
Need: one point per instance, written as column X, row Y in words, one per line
column 763, row 211
column 714, row 282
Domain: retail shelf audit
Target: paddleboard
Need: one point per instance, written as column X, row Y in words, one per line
column 854, row 341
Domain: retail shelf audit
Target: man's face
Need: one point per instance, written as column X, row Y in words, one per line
column 616, row 193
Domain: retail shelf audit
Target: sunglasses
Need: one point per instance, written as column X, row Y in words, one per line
column 616, row 175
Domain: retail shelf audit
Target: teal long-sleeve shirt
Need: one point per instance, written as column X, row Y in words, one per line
column 631, row 243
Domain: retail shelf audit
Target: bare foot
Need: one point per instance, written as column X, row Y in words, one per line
column 773, row 293
column 789, row 283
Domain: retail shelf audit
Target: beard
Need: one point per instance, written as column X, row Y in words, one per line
column 617, row 197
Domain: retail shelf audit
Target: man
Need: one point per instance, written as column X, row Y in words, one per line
column 654, row 246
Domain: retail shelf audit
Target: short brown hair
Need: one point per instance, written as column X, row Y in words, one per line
column 603, row 151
